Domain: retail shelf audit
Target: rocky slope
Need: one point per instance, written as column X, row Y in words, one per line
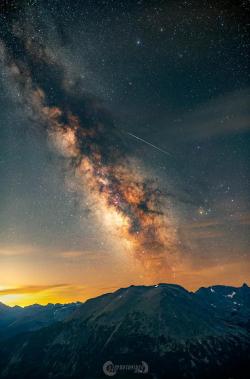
column 178, row 334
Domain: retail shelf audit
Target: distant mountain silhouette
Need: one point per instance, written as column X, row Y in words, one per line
column 175, row 333
column 15, row 320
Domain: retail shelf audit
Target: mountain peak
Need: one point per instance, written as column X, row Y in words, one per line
column 161, row 323
column 3, row 306
column 244, row 285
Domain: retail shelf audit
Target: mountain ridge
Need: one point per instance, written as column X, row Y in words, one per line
column 132, row 285
column 16, row 319
column 180, row 334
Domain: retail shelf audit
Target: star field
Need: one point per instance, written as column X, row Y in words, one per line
column 173, row 73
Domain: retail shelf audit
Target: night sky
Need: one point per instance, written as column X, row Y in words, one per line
column 124, row 157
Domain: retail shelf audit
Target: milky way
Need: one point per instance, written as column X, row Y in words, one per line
column 129, row 204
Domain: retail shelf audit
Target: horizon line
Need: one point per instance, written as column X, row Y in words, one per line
column 119, row 288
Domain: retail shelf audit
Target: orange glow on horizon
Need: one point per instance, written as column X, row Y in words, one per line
column 65, row 293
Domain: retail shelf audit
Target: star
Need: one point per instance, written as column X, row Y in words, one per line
column 204, row 212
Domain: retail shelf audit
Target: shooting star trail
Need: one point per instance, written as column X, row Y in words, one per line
column 148, row 143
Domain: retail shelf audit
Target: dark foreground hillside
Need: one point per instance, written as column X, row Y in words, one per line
column 158, row 331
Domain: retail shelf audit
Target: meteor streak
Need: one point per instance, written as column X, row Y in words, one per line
column 127, row 202
column 150, row 144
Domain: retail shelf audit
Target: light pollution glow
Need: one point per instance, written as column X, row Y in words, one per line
column 189, row 277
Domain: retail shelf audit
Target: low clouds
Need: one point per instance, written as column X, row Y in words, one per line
column 10, row 250
column 224, row 115
column 30, row 289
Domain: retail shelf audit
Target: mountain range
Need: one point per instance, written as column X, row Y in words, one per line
column 161, row 331
column 15, row 320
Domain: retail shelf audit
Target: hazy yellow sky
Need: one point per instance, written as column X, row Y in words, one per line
column 27, row 278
